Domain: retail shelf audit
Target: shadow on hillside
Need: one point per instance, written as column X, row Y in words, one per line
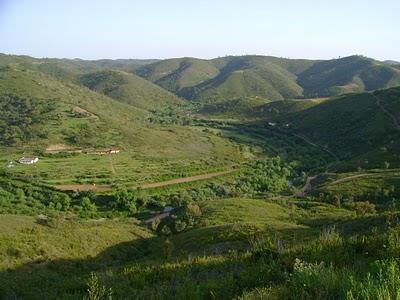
column 42, row 278
column 140, row 266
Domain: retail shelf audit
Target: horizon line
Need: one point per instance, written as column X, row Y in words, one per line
column 180, row 57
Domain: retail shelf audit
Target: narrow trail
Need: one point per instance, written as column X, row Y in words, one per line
column 158, row 216
column 306, row 188
column 346, row 179
column 112, row 165
column 316, row 145
column 184, row 179
column 107, row 187
column 386, row 112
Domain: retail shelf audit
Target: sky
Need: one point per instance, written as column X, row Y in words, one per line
column 94, row 29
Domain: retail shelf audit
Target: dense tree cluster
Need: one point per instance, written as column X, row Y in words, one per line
column 269, row 175
column 20, row 116
column 23, row 197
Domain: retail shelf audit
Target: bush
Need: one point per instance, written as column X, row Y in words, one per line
column 95, row 290
column 363, row 208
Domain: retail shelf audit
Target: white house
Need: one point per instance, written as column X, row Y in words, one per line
column 271, row 124
column 168, row 209
column 28, row 160
column 114, row 151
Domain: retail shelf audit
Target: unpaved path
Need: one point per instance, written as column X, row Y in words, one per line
column 306, row 188
column 159, row 216
column 184, row 179
column 106, row 187
column 346, row 179
column 305, row 139
column 112, row 165
column 57, row 148
column 386, row 112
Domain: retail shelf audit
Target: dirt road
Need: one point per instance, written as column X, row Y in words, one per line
column 112, row 168
column 159, row 216
column 306, row 188
column 106, row 187
column 346, row 179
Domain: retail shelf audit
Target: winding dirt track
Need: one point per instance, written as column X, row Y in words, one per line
column 307, row 187
column 346, row 179
column 106, row 187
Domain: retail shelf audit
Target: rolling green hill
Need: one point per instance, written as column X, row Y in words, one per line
column 177, row 74
column 347, row 75
column 70, row 69
column 268, row 78
column 261, row 78
column 129, row 88
column 83, row 119
column 103, row 114
column 227, row 78
column 103, row 76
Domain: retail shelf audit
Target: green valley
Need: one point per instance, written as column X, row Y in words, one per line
column 239, row 177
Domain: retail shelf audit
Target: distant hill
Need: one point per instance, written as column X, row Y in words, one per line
column 391, row 62
column 347, row 75
column 99, row 75
column 71, row 69
column 268, row 78
column 227, row 78
column 128, row 88
column 177, row 74
column 255, row 78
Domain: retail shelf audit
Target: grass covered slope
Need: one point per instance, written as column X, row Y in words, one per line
column 129, row 88
column 103, row 115
column 173, row 150
column 177, row 74
column 354, row 126
column 64, row 239
column 237, row 253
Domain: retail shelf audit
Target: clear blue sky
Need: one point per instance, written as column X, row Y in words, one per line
column 93, row 29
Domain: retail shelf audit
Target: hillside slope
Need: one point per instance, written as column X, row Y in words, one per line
column 104, row 123
column 347, row 75
column 128, row 88
column 227, row 78
column 360, row 127
column 100, row 76
column 179, row 73
column 268, row 78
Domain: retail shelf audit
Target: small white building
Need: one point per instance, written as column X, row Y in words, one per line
column 28, row 160
column 168, row 209
column 271, row 124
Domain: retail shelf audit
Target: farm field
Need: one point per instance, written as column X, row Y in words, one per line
column 122, row 168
